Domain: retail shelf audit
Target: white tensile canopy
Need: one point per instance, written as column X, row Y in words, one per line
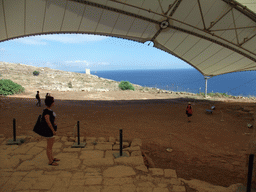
column 213, row 36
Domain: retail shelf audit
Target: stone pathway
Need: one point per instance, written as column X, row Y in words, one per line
column 25, row 168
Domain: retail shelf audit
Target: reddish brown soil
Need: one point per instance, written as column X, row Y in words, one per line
column 206, row 148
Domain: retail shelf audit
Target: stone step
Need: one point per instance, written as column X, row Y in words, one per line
column 93, row 168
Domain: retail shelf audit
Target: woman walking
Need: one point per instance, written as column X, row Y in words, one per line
column 49, row 118
column 189, row 111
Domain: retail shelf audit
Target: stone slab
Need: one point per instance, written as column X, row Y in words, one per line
column 11, row 183
column 34, row 174
column 101, row 140
column 92, row 189
column 110, row 154
column 57, row 145
column 156, row 171
column 136, row 153
column 178, row 188
column 103, row 147
column 118, row 155
column 37, row 162
column 9, row 149
column 68, row 143
column 131, row 149
column 142, row 168
column 132, row 161
column 91, row 154
column 88, row 147
column 144, row 189
column 8, row 162
column 174, row 181
column 125, row 144
column 80, row 145
column 36, row 150
column 92, row 172
column 90, row 139
column 119, row 171
column 170, row 173
column 23, row 149
column 145, row 184
column 64, row 138
column 112, row 139
column 118, row 181
column 67, row 161
column 136, row 142
column 71, row 149
column 97, row 162
column 41, row 144
column 159, row 189
column 95, row 180
column 111, row 189
column 24, row 157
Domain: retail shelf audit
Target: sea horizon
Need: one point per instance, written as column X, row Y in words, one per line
column 185, row 80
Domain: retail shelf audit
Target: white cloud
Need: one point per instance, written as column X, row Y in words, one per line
column 82, row 63
column 30, row 41
column 62, row 38
column 2, row 50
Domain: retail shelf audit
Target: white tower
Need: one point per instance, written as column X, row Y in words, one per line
column 87, row 71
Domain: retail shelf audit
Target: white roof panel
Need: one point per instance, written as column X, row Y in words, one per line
column 34, row 23
column 73, row 16
column 14, row 22
column 123, row 24
column 107, row 22
column 3, row 34
column 214, row 36
column 54, row 15
column 90, row 19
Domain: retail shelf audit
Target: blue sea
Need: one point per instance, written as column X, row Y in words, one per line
column 189, row 80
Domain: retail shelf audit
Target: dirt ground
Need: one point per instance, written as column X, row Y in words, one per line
column 210, row 148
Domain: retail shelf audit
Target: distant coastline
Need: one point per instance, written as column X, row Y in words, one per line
column 186, row 80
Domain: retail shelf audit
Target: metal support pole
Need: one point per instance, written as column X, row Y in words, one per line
column 78, row 134
column 14, row 129
column 121, row 142
column 250, row 168
column 205, row 94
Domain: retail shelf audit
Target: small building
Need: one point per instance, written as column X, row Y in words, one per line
column 87, row 71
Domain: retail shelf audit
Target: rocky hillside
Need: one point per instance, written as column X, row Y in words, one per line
column 52, row 79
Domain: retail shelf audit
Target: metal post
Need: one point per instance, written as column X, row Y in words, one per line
column 250, row 168
column 78, row 133
column 121, row 142
column 14, row 129
column 205, row 94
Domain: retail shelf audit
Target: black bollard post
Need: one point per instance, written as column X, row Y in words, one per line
column 250, row 168
column 14, row 129
column 78, row 133
column 121, row 142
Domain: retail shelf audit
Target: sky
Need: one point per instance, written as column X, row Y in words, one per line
column 76, row 52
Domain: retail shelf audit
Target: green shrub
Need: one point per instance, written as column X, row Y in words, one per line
column 70, row 84
column 36, row 73
column 224, row 94
column 201, row 93
column 7, row 87
column 126, row 85
column 211, row 94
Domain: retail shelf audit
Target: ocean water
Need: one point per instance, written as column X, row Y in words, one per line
column 190, row 80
